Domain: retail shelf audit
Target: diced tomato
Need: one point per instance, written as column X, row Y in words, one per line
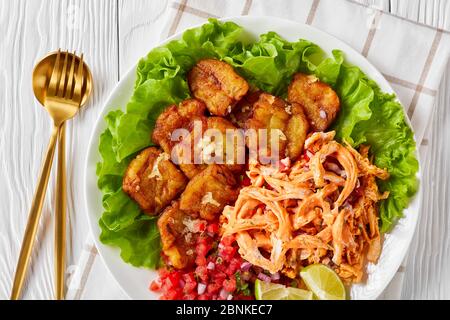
column 200, row 261
column 305, row 155
column 246, row 182
column 224, row 261
column 200, row 226
column 174, row 294
column 219, row 276
column 228, row 252
column 190, row 283
column 230, row 285
column 213, row 228
column 156, row 285
column 228, row 241
column 202, row 273
column 202, row 249
column 174, row 278
column 235, row 265
column 163, row 273
column 191, row 296
column 213, row 288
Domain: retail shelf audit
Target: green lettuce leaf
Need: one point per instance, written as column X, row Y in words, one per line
column 367, row 116
column 139, row 242
column 270, row 63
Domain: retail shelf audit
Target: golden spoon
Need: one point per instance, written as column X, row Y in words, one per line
column 61, row 91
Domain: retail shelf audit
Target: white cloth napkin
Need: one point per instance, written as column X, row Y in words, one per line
column 411, row 56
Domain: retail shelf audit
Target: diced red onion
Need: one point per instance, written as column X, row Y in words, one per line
column 220, row 246
column 201, row 288
column 264, row 277
column 181, row 283
column 286, row 162
column 230, row 297
column 257, row 269
column 334, row 167
column 223, row 294
column 245, row 266
column 211, row 266
column 275, row 276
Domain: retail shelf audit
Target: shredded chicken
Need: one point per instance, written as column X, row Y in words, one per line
column 307, row 213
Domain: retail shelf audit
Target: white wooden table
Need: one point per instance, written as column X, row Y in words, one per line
column 114, row 34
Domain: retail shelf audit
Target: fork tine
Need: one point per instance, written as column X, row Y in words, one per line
column 69, row 88
column 54, row 78
column 78, row 82
column 63, row 81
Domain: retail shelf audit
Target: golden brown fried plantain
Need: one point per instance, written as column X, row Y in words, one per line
column 192, row 109
column 296, row 131
column 269, row 112
column 183, row 117
column 243, row 109
column 178, row 243
column 209, row 192
column 319, row 101
column 173, row 118
column 204, row 150
column 216, row 84
column 223, row 125
column 153, row 181
column 168, row 121
column 263, row 111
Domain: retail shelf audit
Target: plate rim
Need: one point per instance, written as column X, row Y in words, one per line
column 130, row 73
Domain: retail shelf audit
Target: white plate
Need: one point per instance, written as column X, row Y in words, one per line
column 135, row 281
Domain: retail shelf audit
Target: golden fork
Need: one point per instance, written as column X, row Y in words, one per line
column 62, row 97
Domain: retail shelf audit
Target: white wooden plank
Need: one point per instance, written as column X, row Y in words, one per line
column 426, row 273
column 30, row 29
column 432, row 12
column 141, row 24
column 379, row 4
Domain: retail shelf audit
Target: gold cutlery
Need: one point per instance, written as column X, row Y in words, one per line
column 62, row 90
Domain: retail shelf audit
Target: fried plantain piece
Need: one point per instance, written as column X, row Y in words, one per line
column 296, row 131
column 209, row 192
column 192, row 109
column 173, row 118
column 183, row 117
column 243, row 109
column 206, row 148
column 153, row 181
column 260, row 110
column 168, row 121
column 178, row 242
column 319, row 101
column 216, row 84
column 222, row 124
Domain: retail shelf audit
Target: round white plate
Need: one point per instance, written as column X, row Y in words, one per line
column 135, row 281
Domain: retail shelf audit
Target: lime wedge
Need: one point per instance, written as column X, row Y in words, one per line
column 323, row 282
column 273, row 291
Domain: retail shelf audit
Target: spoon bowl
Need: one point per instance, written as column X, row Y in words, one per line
column 42, row 73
